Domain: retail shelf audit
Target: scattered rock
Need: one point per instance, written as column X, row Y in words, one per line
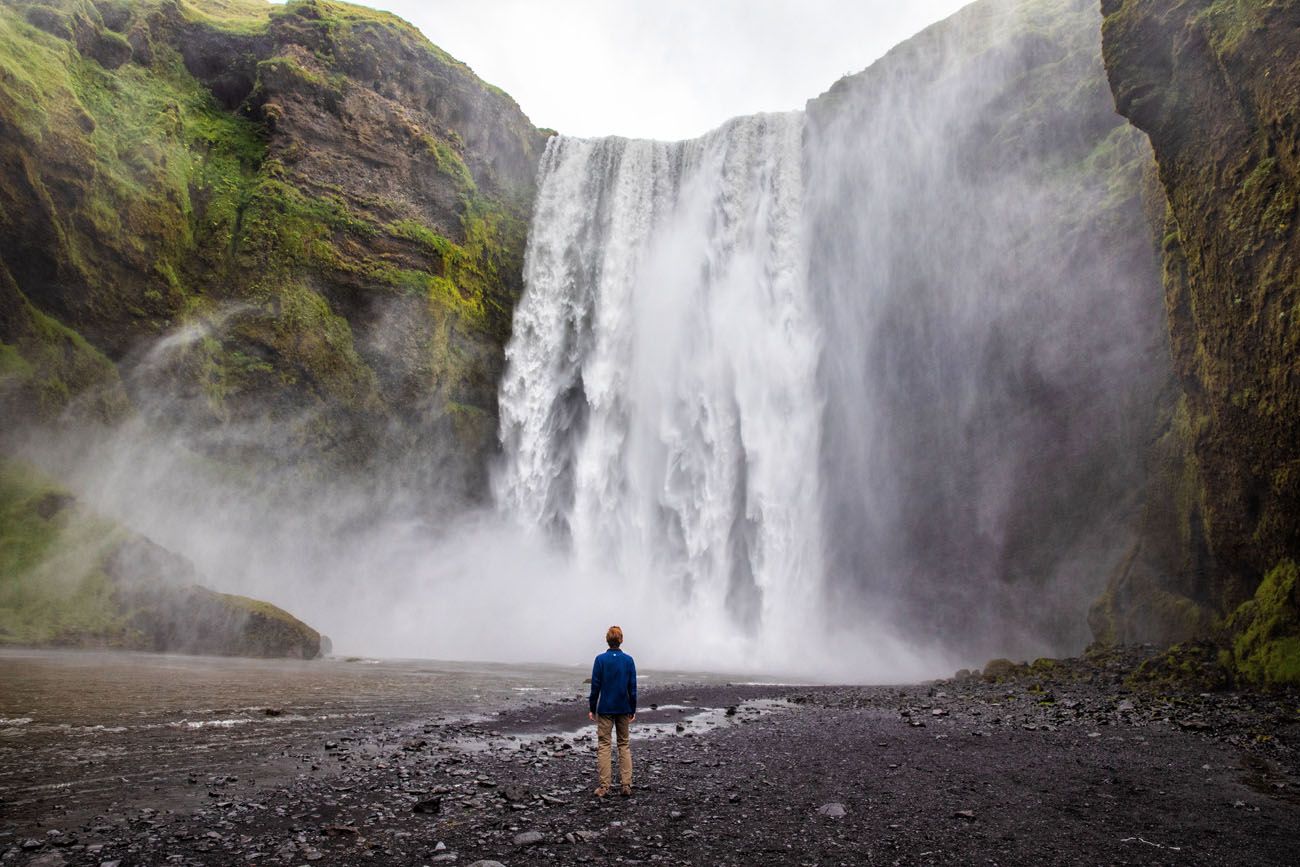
column 528, row 838
column 515, row 794
column 1000, row 669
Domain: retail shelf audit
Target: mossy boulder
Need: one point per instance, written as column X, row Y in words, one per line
column 1265, row 630
column 1189, row 666
column 70, row 578
column 197, row 620
column 998, row 670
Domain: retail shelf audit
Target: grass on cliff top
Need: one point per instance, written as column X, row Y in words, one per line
column 1229, row 20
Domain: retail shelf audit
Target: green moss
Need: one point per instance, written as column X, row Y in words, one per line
column 1265, row 630
column 286, row 67
column 449, row 162
column 1229, row 21
column 48, row 363
column 12, row 364
column 999, row 670
column 233, row 16
column 1193, row 665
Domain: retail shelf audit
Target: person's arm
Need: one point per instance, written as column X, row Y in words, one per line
column 595, row 689
column 631, row 687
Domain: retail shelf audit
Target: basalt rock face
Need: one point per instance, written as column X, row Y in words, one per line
column 1216, row 87
column 320, row 213
column 991, row 301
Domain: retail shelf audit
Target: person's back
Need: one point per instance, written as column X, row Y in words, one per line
column 612, row 706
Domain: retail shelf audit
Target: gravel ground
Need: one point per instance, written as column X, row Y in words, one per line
column 1069, row 766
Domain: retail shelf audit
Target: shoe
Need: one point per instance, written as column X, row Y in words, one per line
column 627, row 792
column 602, row 791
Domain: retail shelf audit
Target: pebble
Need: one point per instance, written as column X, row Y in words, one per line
column 834, row 809
column 49, row 859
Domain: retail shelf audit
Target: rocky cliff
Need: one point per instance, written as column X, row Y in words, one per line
column 322, row 213
column 1215, row 84
column 995, row 337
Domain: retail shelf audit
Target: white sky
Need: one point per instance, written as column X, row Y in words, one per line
column 665, row 69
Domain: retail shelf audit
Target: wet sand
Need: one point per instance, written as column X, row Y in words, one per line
column 1077, row 772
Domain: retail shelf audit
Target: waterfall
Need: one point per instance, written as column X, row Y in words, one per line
column 659, row 412
column 863, row 389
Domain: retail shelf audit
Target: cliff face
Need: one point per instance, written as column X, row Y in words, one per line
column 1216, row 86
column 323, row 212
column 991, row 289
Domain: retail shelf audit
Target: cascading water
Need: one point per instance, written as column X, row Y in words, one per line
column 872, row 379
column 660, row 406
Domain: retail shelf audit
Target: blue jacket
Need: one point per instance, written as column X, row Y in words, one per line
column 613, row 684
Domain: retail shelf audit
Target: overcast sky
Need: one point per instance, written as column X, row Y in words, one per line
column 664, row 69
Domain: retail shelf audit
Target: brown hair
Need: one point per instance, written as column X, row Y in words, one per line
column 614, row 636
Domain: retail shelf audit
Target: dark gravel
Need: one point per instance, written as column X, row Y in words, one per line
column 1067, row 766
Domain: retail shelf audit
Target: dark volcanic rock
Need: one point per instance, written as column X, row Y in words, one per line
column 1215, row 86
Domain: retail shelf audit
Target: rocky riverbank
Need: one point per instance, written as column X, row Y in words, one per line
column 1075, row 762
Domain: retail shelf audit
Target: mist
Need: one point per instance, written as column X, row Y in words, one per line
column 854, row 394
column 993, row 329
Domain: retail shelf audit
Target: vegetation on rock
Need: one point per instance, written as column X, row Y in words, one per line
column 69, row 578
column 1215, row 85
column 335, row 205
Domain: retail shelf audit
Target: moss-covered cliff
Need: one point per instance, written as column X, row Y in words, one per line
column 1216, row 86
column 324, row 212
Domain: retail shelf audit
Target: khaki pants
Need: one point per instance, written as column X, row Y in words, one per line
column 604, row 725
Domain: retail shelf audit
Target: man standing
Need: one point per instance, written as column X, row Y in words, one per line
column 613, row 707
